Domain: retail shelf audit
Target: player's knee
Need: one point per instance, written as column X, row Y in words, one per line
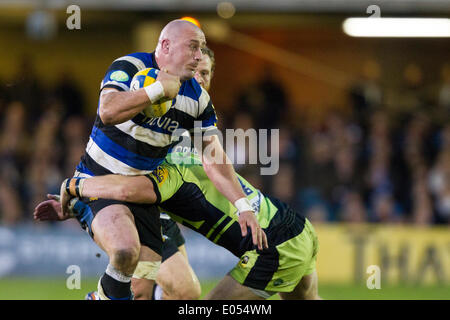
column 125, row 258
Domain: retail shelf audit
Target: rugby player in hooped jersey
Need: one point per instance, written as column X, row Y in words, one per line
column 287, row 267
column 123, row 142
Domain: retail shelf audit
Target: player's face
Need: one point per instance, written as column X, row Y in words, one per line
column 186, row 53
column 203, row 74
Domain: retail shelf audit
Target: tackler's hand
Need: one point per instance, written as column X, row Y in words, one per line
column 248, row 219
column 49, row 210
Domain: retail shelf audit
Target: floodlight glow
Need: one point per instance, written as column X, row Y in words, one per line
column 192, row 20
column 397, row 27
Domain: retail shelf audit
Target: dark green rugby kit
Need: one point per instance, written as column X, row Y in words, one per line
column 185, row 192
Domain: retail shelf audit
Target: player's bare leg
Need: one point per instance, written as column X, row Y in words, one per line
column 115, row 232
column 177, row 279
column 145, row 274
column 307, row 289
column 230, row 289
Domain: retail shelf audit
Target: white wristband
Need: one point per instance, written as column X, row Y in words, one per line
column 155, row 91
column 243, row 205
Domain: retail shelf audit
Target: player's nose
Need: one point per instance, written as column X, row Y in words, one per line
column 198, row 55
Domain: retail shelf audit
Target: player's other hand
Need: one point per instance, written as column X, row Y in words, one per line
column 170, row 83
column 49, row 210
column 248, row 219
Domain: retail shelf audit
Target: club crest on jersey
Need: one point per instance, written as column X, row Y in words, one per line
column 160, row 174
column 120, row 76
column 244, row 261
column 278, row 282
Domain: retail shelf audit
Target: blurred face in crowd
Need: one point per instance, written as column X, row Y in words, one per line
column 204, row 73
column 179, row 48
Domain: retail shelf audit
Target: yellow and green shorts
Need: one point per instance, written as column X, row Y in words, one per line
column 280, row 267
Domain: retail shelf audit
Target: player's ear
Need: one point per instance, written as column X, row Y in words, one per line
column 165, row 44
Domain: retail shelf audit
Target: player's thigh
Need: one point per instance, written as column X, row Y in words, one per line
column 307, row 289
column 114, row 229
column 178, row 279
column 230, row 289
column 145, row 273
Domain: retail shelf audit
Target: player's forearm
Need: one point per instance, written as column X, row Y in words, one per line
column 220, row 171
column 120, row 106
column 224, row 179
column 136, row 189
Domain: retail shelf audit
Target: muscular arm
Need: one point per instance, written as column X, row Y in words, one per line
column 120, row 106
column 220, row 171
column 136, row 189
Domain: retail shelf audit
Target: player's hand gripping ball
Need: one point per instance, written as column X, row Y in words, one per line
column 143, row 79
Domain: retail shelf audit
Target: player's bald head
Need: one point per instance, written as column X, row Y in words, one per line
column 176, row 28
column 179, row 48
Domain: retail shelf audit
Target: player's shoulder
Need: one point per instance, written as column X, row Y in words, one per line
column 122, row 70
column 141, row 60
column 192, row 89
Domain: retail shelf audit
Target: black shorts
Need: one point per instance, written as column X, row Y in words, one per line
column 173, row 238
column 146, row 218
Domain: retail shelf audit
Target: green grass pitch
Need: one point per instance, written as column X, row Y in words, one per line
column 55, row 289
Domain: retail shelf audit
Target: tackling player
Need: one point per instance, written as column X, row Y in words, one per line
column 185, row 192
column 123, row 141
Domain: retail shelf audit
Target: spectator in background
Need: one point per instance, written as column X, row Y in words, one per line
column 384, row 208
column 366, row 94
column 33, row 152
column 27, row 89
column 43, row 174
column 239, row 156
column 412, row 94
column 74, row 140
column 353, row 209
column 439, row 179
column 288, row 157
column 69, row 94
column 345, row 137
column 422, row 209
column 378, row 155
column 317, row 177
column 444, row 92
column 284, row 183
column 265, row 100
column 13, row 159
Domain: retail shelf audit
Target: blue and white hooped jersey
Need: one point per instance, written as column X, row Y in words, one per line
column 139, row 145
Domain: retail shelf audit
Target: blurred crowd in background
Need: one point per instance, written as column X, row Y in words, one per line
column 383, row 158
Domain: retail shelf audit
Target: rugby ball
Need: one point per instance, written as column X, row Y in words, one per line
column 143, row 79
